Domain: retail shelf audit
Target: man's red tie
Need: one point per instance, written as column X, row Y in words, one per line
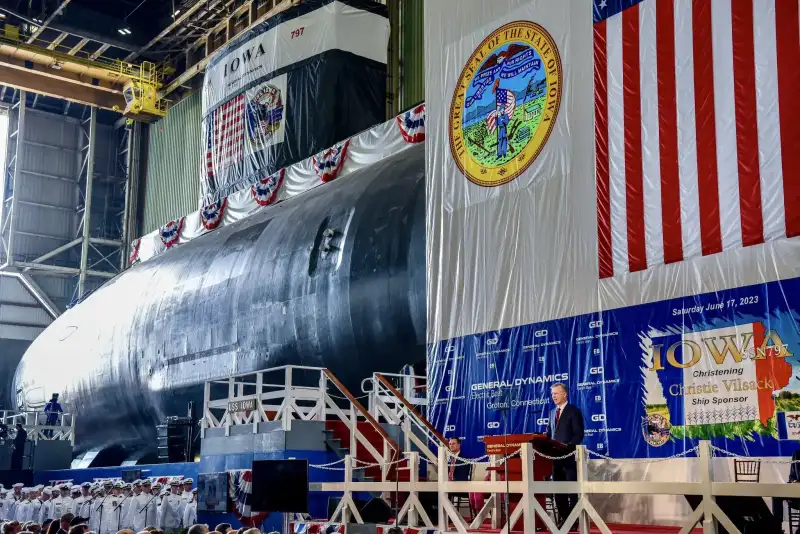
column 558, row 416
column 452, row 468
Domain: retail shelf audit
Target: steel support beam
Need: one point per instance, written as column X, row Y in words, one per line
column 59, row 84
column 58, row 269
column 57, row 41
column 177, row 23
column 77, row 48
column 35, row 291
column 55, row 252
column 48, row 20
column 99, row 52
column 15, row 190
column 87, row 210
column 226, row 24
column 106, row 242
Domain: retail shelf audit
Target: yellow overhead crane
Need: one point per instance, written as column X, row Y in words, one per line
column 84, row 77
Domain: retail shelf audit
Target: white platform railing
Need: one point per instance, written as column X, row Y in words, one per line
column 401, row 400
column 292, row 393
column 35, row 424
column 708, row 514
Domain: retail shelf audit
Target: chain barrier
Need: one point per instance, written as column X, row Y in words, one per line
column 635, row 461
column 347, row 398
column 327, row 467
column 723, row 452
column 564, row 457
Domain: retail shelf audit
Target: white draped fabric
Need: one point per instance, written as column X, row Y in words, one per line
column 359, row 151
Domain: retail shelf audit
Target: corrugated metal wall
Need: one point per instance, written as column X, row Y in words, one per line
column 412, row 53
column 174, row 157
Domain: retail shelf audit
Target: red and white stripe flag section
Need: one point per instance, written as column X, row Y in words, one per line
column 697, row 128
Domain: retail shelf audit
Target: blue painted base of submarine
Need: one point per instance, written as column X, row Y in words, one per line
column 318, row 501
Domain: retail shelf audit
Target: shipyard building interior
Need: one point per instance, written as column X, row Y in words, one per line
column 399, row 266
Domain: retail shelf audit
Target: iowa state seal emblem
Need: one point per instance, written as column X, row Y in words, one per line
column 505, row 103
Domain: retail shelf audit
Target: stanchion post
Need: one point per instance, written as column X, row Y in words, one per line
column 348, row 479
column 442, row 480
column 528, row 513
column 583, row 477
column 496, row 501
column 707, row 476
column 413, row 466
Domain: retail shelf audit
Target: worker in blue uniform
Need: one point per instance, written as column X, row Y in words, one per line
column 53, row 411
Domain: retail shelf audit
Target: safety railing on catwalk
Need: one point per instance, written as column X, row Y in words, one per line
column 38, row 425
column 295, row 393
column 401, row 399
column 529, row 502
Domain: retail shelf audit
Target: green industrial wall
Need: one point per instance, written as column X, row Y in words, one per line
column 412, row 53
column 174, row 162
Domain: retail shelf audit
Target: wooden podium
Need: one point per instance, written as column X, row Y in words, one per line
column 542, row 467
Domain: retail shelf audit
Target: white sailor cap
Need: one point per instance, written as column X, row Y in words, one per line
column 188, row 481
column 86, row 485
column 18, row 485
column 64, row 487
column 194, row 491
column 108, row 483
column 47, row 491
column 146, row 482
column 175, row 482
column 75, row 488
column 38, row 487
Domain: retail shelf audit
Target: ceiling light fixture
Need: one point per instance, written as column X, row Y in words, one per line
column 124, row 31
column 178, row 12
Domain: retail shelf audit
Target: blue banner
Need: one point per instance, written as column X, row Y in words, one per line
column 651, row 380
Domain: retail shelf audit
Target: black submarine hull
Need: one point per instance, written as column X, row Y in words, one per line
column 260, row 293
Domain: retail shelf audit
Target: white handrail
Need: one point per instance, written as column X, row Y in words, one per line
column 35, row 424
column 707, row 514
column 251, row 399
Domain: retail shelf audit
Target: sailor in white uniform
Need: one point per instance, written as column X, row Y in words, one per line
column 190, row 511
column 187, row 494
column 171, row 509
column 144, row 508
column 13, row 499
column 46, row 509
column 36, row 504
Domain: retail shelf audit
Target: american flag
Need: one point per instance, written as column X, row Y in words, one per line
column 506, row 98
column 697, row 128
column 225, row 135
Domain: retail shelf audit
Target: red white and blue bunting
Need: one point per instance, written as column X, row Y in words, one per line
column 170, row 233
column 328, row 163
column 412, row 124
column 240, row 490
column 134, row 257
column 211, row 214
column 360, row 151
column 265, row 191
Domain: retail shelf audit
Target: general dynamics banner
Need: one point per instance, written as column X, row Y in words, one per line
column 651, row 379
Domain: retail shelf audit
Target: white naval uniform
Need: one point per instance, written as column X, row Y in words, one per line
column 36, row 509
column 171, row 513
column 144, row 511
column 46, row 511
column 57, row 507
column 190, row 514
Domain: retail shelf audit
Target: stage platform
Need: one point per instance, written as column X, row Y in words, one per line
column 321, row 527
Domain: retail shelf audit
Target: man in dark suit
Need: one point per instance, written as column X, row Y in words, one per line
column 565, row 426
column 456, row 471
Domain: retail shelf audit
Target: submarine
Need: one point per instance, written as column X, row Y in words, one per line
column 332, row 278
